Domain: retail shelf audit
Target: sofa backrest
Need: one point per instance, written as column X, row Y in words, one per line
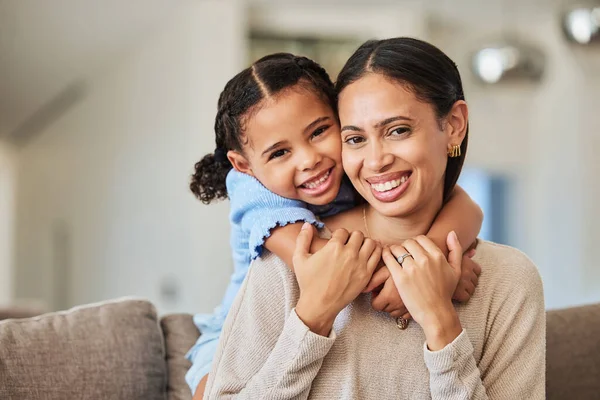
column 118, row 350
column 180, row 334
column 110, row 350
column 573, row 353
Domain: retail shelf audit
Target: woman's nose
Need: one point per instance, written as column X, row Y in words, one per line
column 378, row 158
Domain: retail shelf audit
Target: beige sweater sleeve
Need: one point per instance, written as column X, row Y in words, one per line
column 265, row 350
column 513, row 362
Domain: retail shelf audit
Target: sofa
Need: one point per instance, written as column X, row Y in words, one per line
column 121, row 349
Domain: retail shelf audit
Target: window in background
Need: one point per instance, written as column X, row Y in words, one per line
column 330, row 52
column 490, row 191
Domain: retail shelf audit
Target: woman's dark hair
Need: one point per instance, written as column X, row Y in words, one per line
column 423, row 68
column 241, row 97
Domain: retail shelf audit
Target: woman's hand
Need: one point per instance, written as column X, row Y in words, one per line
column 332, row 277
column 427, row 281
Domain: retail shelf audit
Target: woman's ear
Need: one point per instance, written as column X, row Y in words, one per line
column 457, row 122
column 239, row 162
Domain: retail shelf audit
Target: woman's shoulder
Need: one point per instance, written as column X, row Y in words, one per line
column 270, row 271
column 508, row 268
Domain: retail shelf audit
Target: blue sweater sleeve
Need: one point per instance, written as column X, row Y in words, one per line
column 257, row 210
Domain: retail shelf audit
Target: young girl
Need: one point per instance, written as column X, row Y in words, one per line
column 278, row 159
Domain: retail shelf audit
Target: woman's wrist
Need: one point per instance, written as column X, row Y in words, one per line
column 442, row 328
column 314, row 318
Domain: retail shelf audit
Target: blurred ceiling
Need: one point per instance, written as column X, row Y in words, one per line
column 49, row 48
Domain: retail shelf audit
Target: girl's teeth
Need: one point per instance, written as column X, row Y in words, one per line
column 315, row 184
column 389, row 185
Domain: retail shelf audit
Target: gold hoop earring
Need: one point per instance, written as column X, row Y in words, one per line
column 454, row 151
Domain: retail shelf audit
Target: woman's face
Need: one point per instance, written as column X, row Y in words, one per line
column 293, row 147
column 394, row 147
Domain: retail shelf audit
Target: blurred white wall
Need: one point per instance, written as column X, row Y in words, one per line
column 7, row 218
column 104, row 209
column 543, row 136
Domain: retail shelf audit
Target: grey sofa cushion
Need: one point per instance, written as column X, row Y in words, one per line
column 111, row 350
column 180, row 334
column 573, row 353
column 19, row 312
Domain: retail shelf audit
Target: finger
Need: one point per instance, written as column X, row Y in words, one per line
column 389, row 290
column 392, row 264
column 378, row 278
column 475, row 280
column 471, row 253
column 367, row 248
column 455, row 253
column 469, row 287
column 340, row 235
column 461, row 296
column 418, row 254
column 379, row 302
column 407, row 316
column 429, row 246
column 473, row 245
column 303, row 242
column 476, row 268
column 374, row 259
column 356, row 240
column 399, row 313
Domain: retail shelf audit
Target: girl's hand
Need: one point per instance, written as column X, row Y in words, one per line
column 427, row 281
column 469, row 278
column 385, row 296
column 333, row 277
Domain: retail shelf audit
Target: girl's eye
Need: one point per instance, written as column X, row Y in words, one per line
column 319, row 131
column 399, row 131
column 354, row 140
column 277, row 154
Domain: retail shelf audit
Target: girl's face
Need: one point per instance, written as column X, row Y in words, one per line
column 293, row 147
column 394, row 146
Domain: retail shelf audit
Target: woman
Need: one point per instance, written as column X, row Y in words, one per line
column 314, row 335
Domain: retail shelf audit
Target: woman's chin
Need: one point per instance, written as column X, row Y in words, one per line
column 397, row 209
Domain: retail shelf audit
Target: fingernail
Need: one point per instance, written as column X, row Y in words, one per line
column 305, row 226
column 454, row 235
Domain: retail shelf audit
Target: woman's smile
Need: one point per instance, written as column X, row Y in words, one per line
column 389, row 187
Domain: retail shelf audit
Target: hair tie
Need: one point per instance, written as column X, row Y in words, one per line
column 220, row 155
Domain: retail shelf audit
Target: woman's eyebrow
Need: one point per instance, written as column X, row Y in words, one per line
column 351, row 128
column 390, row 120
column 377, row 125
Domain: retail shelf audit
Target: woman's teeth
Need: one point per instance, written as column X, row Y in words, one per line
column 315, row 184
column 389, row 185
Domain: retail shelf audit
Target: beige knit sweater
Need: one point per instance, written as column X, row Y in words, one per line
column 266, row 352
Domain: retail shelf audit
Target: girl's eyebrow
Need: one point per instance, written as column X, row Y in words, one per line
column 273, row 147
column 377, row 125
column 309, row 127
column 315, row 122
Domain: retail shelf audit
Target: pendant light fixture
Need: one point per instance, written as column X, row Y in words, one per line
column 508, row 58
column 581, row 23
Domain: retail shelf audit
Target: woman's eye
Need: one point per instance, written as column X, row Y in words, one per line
column 399, row 131
column 277, row 154
column 354, row 140
column 320, row 131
